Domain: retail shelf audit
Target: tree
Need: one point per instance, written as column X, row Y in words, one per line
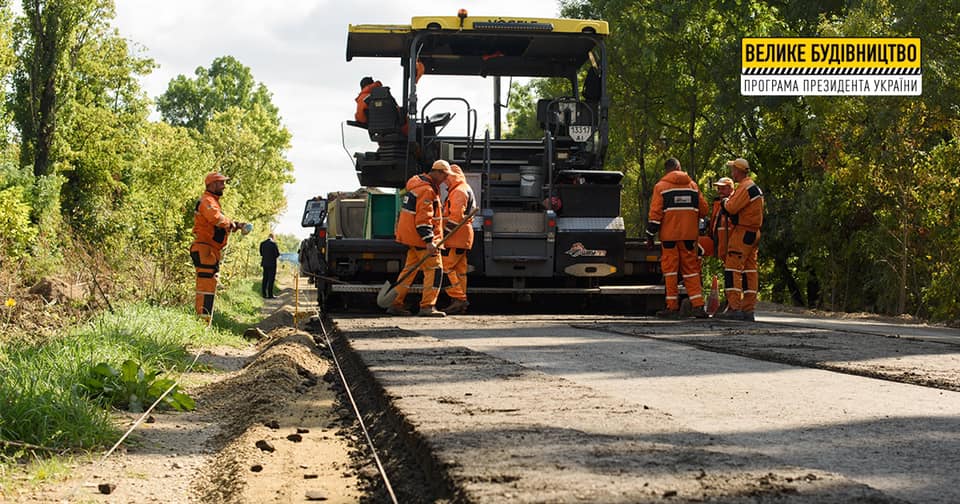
column 102, row 130
column 43, row 40
column 249, row 148
column 227, row 83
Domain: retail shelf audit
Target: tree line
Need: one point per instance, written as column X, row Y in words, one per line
column 862, row 192
column 85, row 173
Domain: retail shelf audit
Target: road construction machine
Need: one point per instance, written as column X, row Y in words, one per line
column 549, row 222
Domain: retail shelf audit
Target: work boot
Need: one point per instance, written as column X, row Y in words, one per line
column 729, row 315
column 668, row 314
column 686, row 309
column 399, row 311
column 747, row 316
column 699, row 312
column 430, row 311
column 456, row 307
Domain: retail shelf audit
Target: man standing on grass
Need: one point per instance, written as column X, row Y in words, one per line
column 269, row 252
column 211, row 230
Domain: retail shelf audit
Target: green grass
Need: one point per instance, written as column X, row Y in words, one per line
column 38, row 401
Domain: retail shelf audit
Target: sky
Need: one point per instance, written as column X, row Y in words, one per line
column 297, row 48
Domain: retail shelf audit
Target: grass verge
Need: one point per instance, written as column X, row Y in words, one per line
column 39, row 403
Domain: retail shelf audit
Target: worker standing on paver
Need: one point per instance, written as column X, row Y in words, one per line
column 419, row 227
column 211, row 230
column 460, row 202
column 675, row 211
column 745, row 208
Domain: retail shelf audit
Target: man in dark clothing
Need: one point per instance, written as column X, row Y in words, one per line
column 269, row 252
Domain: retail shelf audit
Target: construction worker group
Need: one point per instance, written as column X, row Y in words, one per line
column 432, row 230
column 679, row 211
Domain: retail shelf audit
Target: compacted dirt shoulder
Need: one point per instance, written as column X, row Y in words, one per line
column 493, row 431
column 269, row 427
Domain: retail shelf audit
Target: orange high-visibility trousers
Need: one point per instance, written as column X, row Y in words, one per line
column 679, row 258
column 206, row 262
column 740, row 278
column 455, row 267
column 432, row 277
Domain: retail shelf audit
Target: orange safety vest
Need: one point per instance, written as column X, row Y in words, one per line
column 676, row 208
column 460, row 202
column 746, row 206
column 419, row 222
column 210, row 226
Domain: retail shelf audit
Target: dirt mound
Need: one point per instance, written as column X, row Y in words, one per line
column 53, row 289
column 280, row 434
column 283, row 317
column 280, row 372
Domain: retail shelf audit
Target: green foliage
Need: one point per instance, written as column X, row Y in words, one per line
column 163, row 190
column 287, row 243
column 39, row 401
column 249, row 147
column 18, row 231
column 132, row 387
column 227, row 83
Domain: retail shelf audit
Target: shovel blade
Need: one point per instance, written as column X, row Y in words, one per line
column 386, row 296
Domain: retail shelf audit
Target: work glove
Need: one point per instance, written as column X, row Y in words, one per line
column 649, row 240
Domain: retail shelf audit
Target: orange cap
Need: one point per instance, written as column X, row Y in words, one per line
column 213, row 177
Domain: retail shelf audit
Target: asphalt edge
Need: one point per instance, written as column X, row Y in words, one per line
column 403, row 449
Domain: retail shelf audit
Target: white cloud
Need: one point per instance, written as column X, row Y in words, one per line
column 297, row 49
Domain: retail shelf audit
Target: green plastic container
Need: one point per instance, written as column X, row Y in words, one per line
column 382, row 210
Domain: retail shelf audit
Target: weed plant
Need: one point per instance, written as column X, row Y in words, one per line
column 40, row 403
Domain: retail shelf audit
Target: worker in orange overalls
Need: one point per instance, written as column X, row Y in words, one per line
column 675, row 211
column 745, row 208
column 720, row 224
column 460, row 202
column 367, row 84
column 211, row 230
column 420, row 228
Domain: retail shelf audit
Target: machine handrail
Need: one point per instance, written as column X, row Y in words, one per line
column 548, row 166
column 486, row 167
column 423, row 115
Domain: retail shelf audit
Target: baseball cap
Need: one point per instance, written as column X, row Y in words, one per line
column 740, row 164
column 442, row 166
column 213, row 177
column 724, row 181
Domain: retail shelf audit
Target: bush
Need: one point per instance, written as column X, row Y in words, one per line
column 18, row 233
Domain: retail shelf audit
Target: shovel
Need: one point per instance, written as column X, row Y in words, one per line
column 388, row 293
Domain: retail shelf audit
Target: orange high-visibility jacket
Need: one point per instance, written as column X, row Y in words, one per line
column 720, row 227
column 419, row 222
column 361, row 114
column 746, row 206
column 210, row 226
column 676, row 208
column 460, row 202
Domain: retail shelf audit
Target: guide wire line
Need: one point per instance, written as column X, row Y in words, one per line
column 356, row 411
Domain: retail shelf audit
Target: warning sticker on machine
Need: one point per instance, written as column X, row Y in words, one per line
column 830, row 66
